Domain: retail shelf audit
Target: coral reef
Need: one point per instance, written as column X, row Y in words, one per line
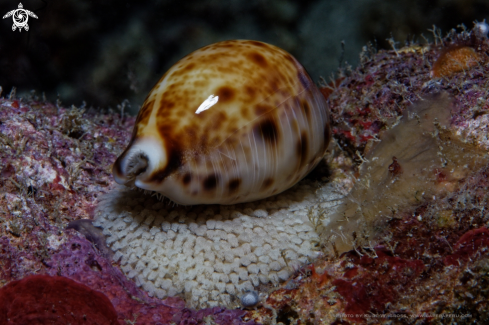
column 428, row 265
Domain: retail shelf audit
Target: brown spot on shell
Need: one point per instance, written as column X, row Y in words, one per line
column 216, row 124
column 210, row 182
column 221, row 116
column 258, row 59
column 226, row 94
column 245, row 112
column 174, row 162
column 227, row 44
column 145, row 113
column 234, row 184
column 256, row 43
column 302, row 148
column 268, row 130
column 173, row 153
column 165, row 105
column 290, row 58
column 190, row 133
column 267, row 183
column 187, row 178
column 189, row 67
column 306, row 109
column 250, row 91
column 165, row 130
column 231, row 130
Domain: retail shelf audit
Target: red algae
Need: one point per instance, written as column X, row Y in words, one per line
column 472, row 242
column 356, row 297
column 42, row 299
column 378, row 276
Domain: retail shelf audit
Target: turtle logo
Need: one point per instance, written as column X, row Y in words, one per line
column 20, row 17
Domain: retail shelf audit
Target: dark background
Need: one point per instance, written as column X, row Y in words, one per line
column 103, row 52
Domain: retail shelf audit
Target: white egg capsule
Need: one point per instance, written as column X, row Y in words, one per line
column 250, row 299
column 232, row 122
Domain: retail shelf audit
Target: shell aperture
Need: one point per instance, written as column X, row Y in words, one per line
column 235, row 121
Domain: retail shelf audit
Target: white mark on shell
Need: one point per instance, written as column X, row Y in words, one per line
column 208, row 103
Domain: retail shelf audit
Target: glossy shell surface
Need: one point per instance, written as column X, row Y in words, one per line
column 232, row 122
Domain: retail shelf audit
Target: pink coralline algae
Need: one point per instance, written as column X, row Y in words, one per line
column 42, row 299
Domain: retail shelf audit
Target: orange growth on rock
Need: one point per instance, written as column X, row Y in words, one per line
column 321, row 279
column 455, row 59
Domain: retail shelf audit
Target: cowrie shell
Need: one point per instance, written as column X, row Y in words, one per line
column 235, row 121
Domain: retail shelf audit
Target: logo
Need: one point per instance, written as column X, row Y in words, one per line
column 20, row 17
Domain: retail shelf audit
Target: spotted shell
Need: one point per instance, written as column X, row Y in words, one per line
column 232, row 122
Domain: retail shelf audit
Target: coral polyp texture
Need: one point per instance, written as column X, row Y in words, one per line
column 424, row 259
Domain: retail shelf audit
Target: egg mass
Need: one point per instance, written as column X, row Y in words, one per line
column 232, row 122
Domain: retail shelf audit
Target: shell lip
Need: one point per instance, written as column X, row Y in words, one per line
column 119, row 179
column 139, row 161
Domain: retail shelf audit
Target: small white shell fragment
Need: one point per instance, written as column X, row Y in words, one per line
column 250, row 299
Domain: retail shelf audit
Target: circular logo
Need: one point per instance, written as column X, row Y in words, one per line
column 20, row 17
